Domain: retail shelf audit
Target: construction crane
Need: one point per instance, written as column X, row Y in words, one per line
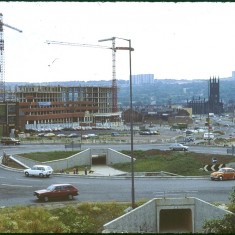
column 2, row 58
column 113, row 48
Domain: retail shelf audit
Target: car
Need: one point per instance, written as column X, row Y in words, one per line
column 189, row 139
column 179, row 147
column 57, row 191
column 92, row 135
column 73, row 135
column 9, row 140
column 61, row 135
column 50, row 134
column 224, row 173
column 115, row 134
column 39, row 170
column 85, row 137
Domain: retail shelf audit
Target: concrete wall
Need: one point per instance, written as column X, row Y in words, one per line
column 80, row 159
column 206, row 211
column 166, row 215
column 141, row 219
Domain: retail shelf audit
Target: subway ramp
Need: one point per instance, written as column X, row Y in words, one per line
column 166, row 215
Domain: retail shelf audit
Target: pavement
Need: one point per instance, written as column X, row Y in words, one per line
column 101, row 170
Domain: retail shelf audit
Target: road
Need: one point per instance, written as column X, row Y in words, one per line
column 16, row 189
column 25, row 148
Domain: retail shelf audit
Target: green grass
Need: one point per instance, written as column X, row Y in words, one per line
column 181, row 163
column 73, row 218
column 48, row 156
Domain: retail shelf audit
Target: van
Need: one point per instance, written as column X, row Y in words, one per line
column 208, row 136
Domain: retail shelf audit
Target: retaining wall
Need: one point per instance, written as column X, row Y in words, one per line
column 80, row 159
column 166, row 215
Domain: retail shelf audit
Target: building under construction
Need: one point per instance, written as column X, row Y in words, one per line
column 53, row 107
column 212, row 105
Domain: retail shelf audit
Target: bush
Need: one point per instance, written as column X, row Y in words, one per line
column 226, row 224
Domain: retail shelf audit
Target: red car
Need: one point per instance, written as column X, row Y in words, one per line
column 57, row 191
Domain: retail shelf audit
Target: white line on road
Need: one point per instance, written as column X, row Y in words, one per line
column 27, row 180
column 15, row 185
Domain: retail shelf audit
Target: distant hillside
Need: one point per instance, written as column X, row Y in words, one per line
column 162, row 92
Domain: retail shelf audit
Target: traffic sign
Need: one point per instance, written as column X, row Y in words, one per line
column 214, row 167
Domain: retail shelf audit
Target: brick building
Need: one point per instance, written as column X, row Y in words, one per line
column 41, row 107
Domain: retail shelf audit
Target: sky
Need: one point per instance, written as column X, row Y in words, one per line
column 191, row 40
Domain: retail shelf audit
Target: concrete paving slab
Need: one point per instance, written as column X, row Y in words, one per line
column 103, row 170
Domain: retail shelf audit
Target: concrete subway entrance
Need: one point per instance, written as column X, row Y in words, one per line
column 175, row 220
column 98, row 160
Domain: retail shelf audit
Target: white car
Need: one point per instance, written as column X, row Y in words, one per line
column 179, row 147
column 39, row 170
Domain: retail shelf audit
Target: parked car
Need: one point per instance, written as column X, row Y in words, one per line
column 92, row 135
column 50, row 134
column 189, row 139
column 57, row 191
column 39, row 170
column 73, row 135
column 9, row 140
column 61, row 135
column 224, row 173
column 85, row 137
column 178, row 147
column 115, row 134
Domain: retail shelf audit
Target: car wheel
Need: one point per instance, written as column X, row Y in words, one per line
column 46, row 199
column 70, row 197
column 212, row 178
column 41, row 175
column 221, row 178
column 47, row 176
column 26, row 173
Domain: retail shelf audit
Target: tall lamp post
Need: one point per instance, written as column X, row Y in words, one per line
column 130, row 49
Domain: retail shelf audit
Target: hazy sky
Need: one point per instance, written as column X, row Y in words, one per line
column 171, row 40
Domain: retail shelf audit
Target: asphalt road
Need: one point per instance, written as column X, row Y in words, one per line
column 16, row 189
column 25, row 148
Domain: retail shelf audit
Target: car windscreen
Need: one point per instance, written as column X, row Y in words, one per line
column 51, row 188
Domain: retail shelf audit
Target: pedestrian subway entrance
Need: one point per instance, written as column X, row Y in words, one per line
column 98, row 159
column 175, row 220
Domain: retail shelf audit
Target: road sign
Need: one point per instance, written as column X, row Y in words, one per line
column 214, row 167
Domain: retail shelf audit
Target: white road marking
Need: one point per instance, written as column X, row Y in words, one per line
column 27, row 180
column 15, row 185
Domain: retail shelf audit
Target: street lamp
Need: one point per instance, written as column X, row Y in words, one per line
column 130, row 49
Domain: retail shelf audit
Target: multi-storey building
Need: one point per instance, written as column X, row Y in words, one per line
column 41, row 107
column 140, row 79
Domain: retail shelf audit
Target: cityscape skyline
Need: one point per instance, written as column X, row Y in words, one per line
column 170, row 40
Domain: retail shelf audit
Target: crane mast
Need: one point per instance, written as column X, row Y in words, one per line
column 114, row 80
column 113, row 48
column 2, row 58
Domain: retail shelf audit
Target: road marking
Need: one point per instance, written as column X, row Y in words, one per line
column 15, row 185
column 27, row 180
column 3, row 177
